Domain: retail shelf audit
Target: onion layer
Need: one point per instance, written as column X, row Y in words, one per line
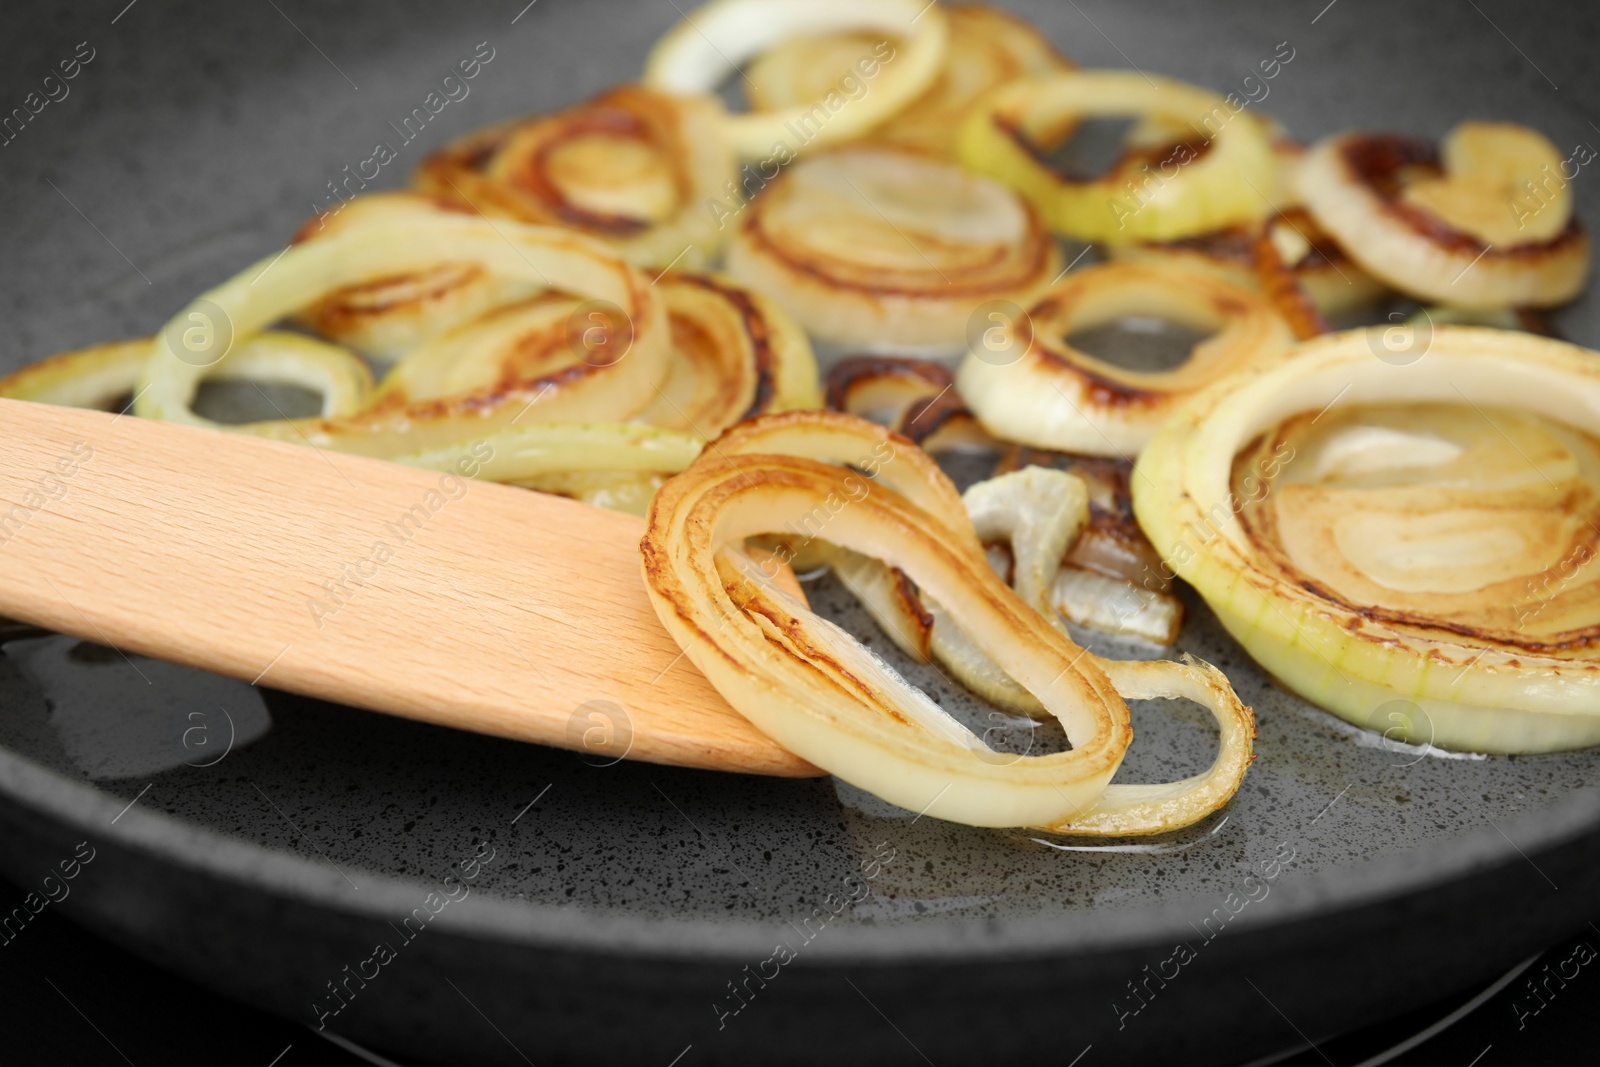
column 390, row 315
column 632, row 167
column 875, row 246
column 1302, row 270
column 1108, row 578
column 988, row 48
column 1408, row 543
column 812, row 688
column 705, row 48
column 1058, row 397
column 560, row 378
column 102, row 375
column 1363, row 189
column 1157, row 193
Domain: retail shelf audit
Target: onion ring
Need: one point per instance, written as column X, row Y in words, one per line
column 100, row 376
column 390, row 315
column 1197, row 186
column 564, row 388
column 707, row 46
column 1406, row 574
column 632, row 168
column 988, row 47
column 816, row 691
column 1057, row 397
column 875, row 246
column 1355, row 185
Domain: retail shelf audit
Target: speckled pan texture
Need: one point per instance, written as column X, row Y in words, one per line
column 273, row 842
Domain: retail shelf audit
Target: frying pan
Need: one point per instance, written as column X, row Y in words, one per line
column 536, row 905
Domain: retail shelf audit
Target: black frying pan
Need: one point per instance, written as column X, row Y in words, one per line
column 268, row 845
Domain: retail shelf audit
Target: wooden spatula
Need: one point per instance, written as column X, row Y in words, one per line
column 438, row 598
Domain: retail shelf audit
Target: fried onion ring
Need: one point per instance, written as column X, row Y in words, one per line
column 880, row 247
column 1356, row 186
column 815, row 690
column 1057, row 397
column 632, row 167
column 707, row 46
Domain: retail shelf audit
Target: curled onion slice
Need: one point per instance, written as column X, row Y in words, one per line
column 522, row 454
column 632, row 167
column 1408, row 543
column 988, row 47
column 916, row 397
column 876, row 246
column 701, row 51
column 735, row 355
column 815, row 690
column 103, row 375
column 550, row 376
column 1160, row 192
column 390, row 315
column 1303, row 271
column 1109, row 579
column 1058, row 397
column 1435, row 226
column 1035, row 513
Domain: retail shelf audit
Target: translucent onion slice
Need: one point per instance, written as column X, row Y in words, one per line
column 917, row 397
column 1161, row 192
column 879, row 247
column 1110, row 579
column 1058, row 397
column 1033, row 515
column 1303, row 271
column 1111, row 544
column 1408, row 544
column 812, row 688
column 633, row 168
column 549, row 371
column 1114, row 606
column 988, row 47
column 523, row 453
column 735, row 355
column 390, row 315
column 1362, row 189
column 103, row 376
column 704, row 49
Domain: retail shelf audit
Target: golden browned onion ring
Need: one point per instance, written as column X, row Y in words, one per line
column 535, row 354
column 392, row 314
column 706, row 47
column 1156, row 191
column 104, row 376
column 1357, row 186
column 915, row 397
column 815, row 690
column 735, row 355
column 1057, row 397
column 1406, row 540
column 879, row 247
column 988, row 47
column 633, row 168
